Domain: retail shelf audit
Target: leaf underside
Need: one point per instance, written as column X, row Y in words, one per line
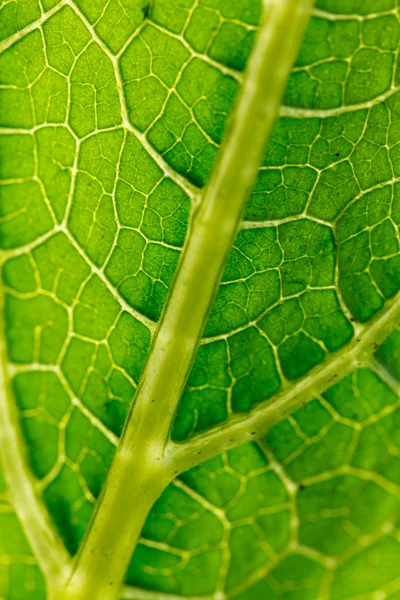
column 113, row 113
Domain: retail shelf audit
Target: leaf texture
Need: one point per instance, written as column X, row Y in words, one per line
column 113, row 113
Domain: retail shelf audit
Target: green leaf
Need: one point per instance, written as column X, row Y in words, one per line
column 280, row 474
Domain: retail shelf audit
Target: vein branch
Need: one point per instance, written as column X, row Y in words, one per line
column 242, row 429
column 8, row 42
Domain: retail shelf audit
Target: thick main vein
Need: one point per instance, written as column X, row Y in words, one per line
column 140, row 469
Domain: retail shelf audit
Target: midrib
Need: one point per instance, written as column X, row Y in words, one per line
column 141, row 469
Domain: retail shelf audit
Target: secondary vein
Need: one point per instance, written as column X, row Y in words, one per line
column 42, row 536
column 242, row 428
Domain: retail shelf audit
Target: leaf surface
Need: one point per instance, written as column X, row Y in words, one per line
column 113, row 113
